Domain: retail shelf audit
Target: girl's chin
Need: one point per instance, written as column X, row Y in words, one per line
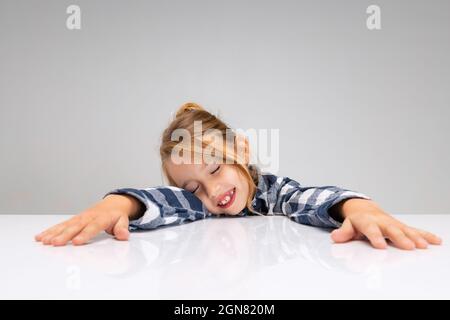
column 229, row 212
column 234, row 211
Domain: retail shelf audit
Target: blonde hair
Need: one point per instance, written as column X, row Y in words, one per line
column 184, row 119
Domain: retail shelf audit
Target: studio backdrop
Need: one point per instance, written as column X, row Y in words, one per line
column 358, row 91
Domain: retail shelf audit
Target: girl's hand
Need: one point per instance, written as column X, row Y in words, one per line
column 112, row 215
column 363, row 218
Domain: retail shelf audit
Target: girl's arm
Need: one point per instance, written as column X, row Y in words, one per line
column 111, row 214
column 163, row 206
column 304, row 204
column 124, row 210
column 354, row 213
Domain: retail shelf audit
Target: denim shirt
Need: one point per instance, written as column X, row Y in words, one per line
column 275, row 195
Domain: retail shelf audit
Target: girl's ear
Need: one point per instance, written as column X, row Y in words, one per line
column 242, row 149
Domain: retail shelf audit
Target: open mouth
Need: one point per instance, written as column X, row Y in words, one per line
column 227, row 198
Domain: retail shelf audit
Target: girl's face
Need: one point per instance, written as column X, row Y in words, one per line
column 221, row 187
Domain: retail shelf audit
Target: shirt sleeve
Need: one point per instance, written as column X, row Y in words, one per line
column 164, row 206
column 306, row 204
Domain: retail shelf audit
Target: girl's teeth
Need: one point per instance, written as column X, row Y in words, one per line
column 227, row 198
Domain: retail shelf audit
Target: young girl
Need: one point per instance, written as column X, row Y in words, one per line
column 229, row 185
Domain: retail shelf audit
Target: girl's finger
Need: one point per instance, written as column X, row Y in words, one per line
column 47, row 237
column 91, row 230
column 374, row 234
column 359, row 236
column 430, row 237
column 121, row 228
column 415, row 236
column 399, row 239
column 43, row 234
column 67, row 234
column 50, row 233
column 345, row 233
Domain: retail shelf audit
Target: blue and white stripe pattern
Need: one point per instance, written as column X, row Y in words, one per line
column 275, row 195
column 309, row 205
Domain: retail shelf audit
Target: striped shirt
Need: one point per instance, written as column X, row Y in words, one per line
column 275, row 195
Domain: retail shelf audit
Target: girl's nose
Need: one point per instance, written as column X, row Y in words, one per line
column 213, row 191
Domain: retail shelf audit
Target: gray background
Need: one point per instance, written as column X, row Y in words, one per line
column 81, row 112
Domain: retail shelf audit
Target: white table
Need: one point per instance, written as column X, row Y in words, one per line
column 220, row 258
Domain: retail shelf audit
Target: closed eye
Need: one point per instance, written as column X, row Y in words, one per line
column 195, row 190
column 215, row 170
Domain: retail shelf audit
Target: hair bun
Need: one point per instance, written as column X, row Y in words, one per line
column 189, row 106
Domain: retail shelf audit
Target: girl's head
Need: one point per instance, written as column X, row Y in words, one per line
column 217, row 171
